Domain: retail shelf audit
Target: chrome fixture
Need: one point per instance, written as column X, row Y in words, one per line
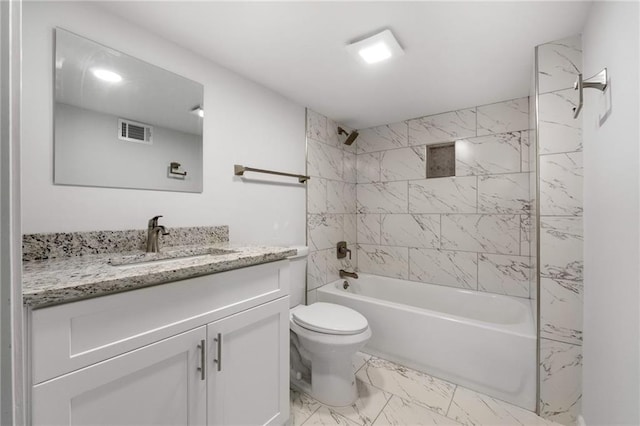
column 218, row 360
column 239, row 170
column 175, row 169
column 345, row 285
column 203, row 360
column 350, row 136
column 198, row 111
column 598, row 81
column 153, row 232
column 348, row 274
column 342, row 250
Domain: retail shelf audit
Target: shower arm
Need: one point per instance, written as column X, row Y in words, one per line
column 598, row 81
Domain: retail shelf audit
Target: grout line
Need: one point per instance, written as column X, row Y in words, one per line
column 515, row 172
column 477, row 194
column 451, row 402
column 560, row 341
column 448, row 286
column 519, row 213
column 408, row 263
column 408, row 203
column 448, row 250
column 521, row 153
column 559, row 153
column 335, row 413
column 477, row 271
column 314, row 411
column 385, row 406
column 476, row 116
column 448, row 141
column 557, row 91
column 520, row 234
column 440, row 236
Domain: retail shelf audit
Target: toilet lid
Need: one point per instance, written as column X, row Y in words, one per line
column 330, row 318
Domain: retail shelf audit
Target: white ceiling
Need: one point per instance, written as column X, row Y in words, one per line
column 147, row 93
column 457, row 54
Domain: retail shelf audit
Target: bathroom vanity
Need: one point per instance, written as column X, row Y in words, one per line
column 210, row 345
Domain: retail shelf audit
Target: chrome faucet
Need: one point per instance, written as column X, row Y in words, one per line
column 153, row 232
column 344, row 274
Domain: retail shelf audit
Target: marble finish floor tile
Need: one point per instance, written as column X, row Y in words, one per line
column 324, row 416
column 425, row 400
column 359, row 360
column 412, row 385
column 475, row 409
column 401, row 412
column 302, row 406
column 366, row 409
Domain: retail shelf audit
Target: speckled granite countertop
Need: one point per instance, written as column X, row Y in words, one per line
column 61, row 280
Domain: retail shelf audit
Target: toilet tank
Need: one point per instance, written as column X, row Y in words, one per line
column 298, row 270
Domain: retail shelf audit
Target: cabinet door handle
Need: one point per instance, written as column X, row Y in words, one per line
column 218, row 361
column 203, row 361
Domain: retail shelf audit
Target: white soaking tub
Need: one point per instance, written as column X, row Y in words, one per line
column 482, row 341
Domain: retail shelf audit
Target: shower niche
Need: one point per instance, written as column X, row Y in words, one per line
column 441, row 160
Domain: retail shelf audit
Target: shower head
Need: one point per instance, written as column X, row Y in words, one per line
column 350, row 136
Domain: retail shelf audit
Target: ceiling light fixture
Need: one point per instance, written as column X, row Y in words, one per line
column 106, row 75
column 376, row 48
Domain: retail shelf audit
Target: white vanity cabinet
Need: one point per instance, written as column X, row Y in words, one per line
column 207, row 350
column 158, row 384
column 248, row 380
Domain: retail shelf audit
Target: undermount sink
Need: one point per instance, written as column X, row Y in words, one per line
column 166, row 256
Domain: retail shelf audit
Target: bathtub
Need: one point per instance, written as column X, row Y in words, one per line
column 482, row 341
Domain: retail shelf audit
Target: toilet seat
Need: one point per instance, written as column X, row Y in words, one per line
column 329, row 318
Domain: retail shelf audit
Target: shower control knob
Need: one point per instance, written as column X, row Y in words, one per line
column 342, row 250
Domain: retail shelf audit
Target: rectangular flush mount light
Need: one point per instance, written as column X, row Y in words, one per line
column 376, row 48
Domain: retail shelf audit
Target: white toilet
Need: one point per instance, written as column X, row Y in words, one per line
column 324, row 338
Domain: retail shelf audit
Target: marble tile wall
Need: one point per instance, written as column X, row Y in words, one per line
column 468, row 231
column 560, row 191
column 331, row 201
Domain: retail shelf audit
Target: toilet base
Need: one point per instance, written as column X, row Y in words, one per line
column 329, row 386
column 332, row 378
column 333, row 381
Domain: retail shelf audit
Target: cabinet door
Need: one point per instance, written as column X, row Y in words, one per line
column 248, row 380
column 159, row 384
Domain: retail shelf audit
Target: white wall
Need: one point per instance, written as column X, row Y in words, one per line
column 245, row 123
column 611, row 375
column 89, row 152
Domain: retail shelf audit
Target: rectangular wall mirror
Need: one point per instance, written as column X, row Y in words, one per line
column 120, row 122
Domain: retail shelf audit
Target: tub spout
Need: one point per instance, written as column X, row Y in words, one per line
column 344, row 274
